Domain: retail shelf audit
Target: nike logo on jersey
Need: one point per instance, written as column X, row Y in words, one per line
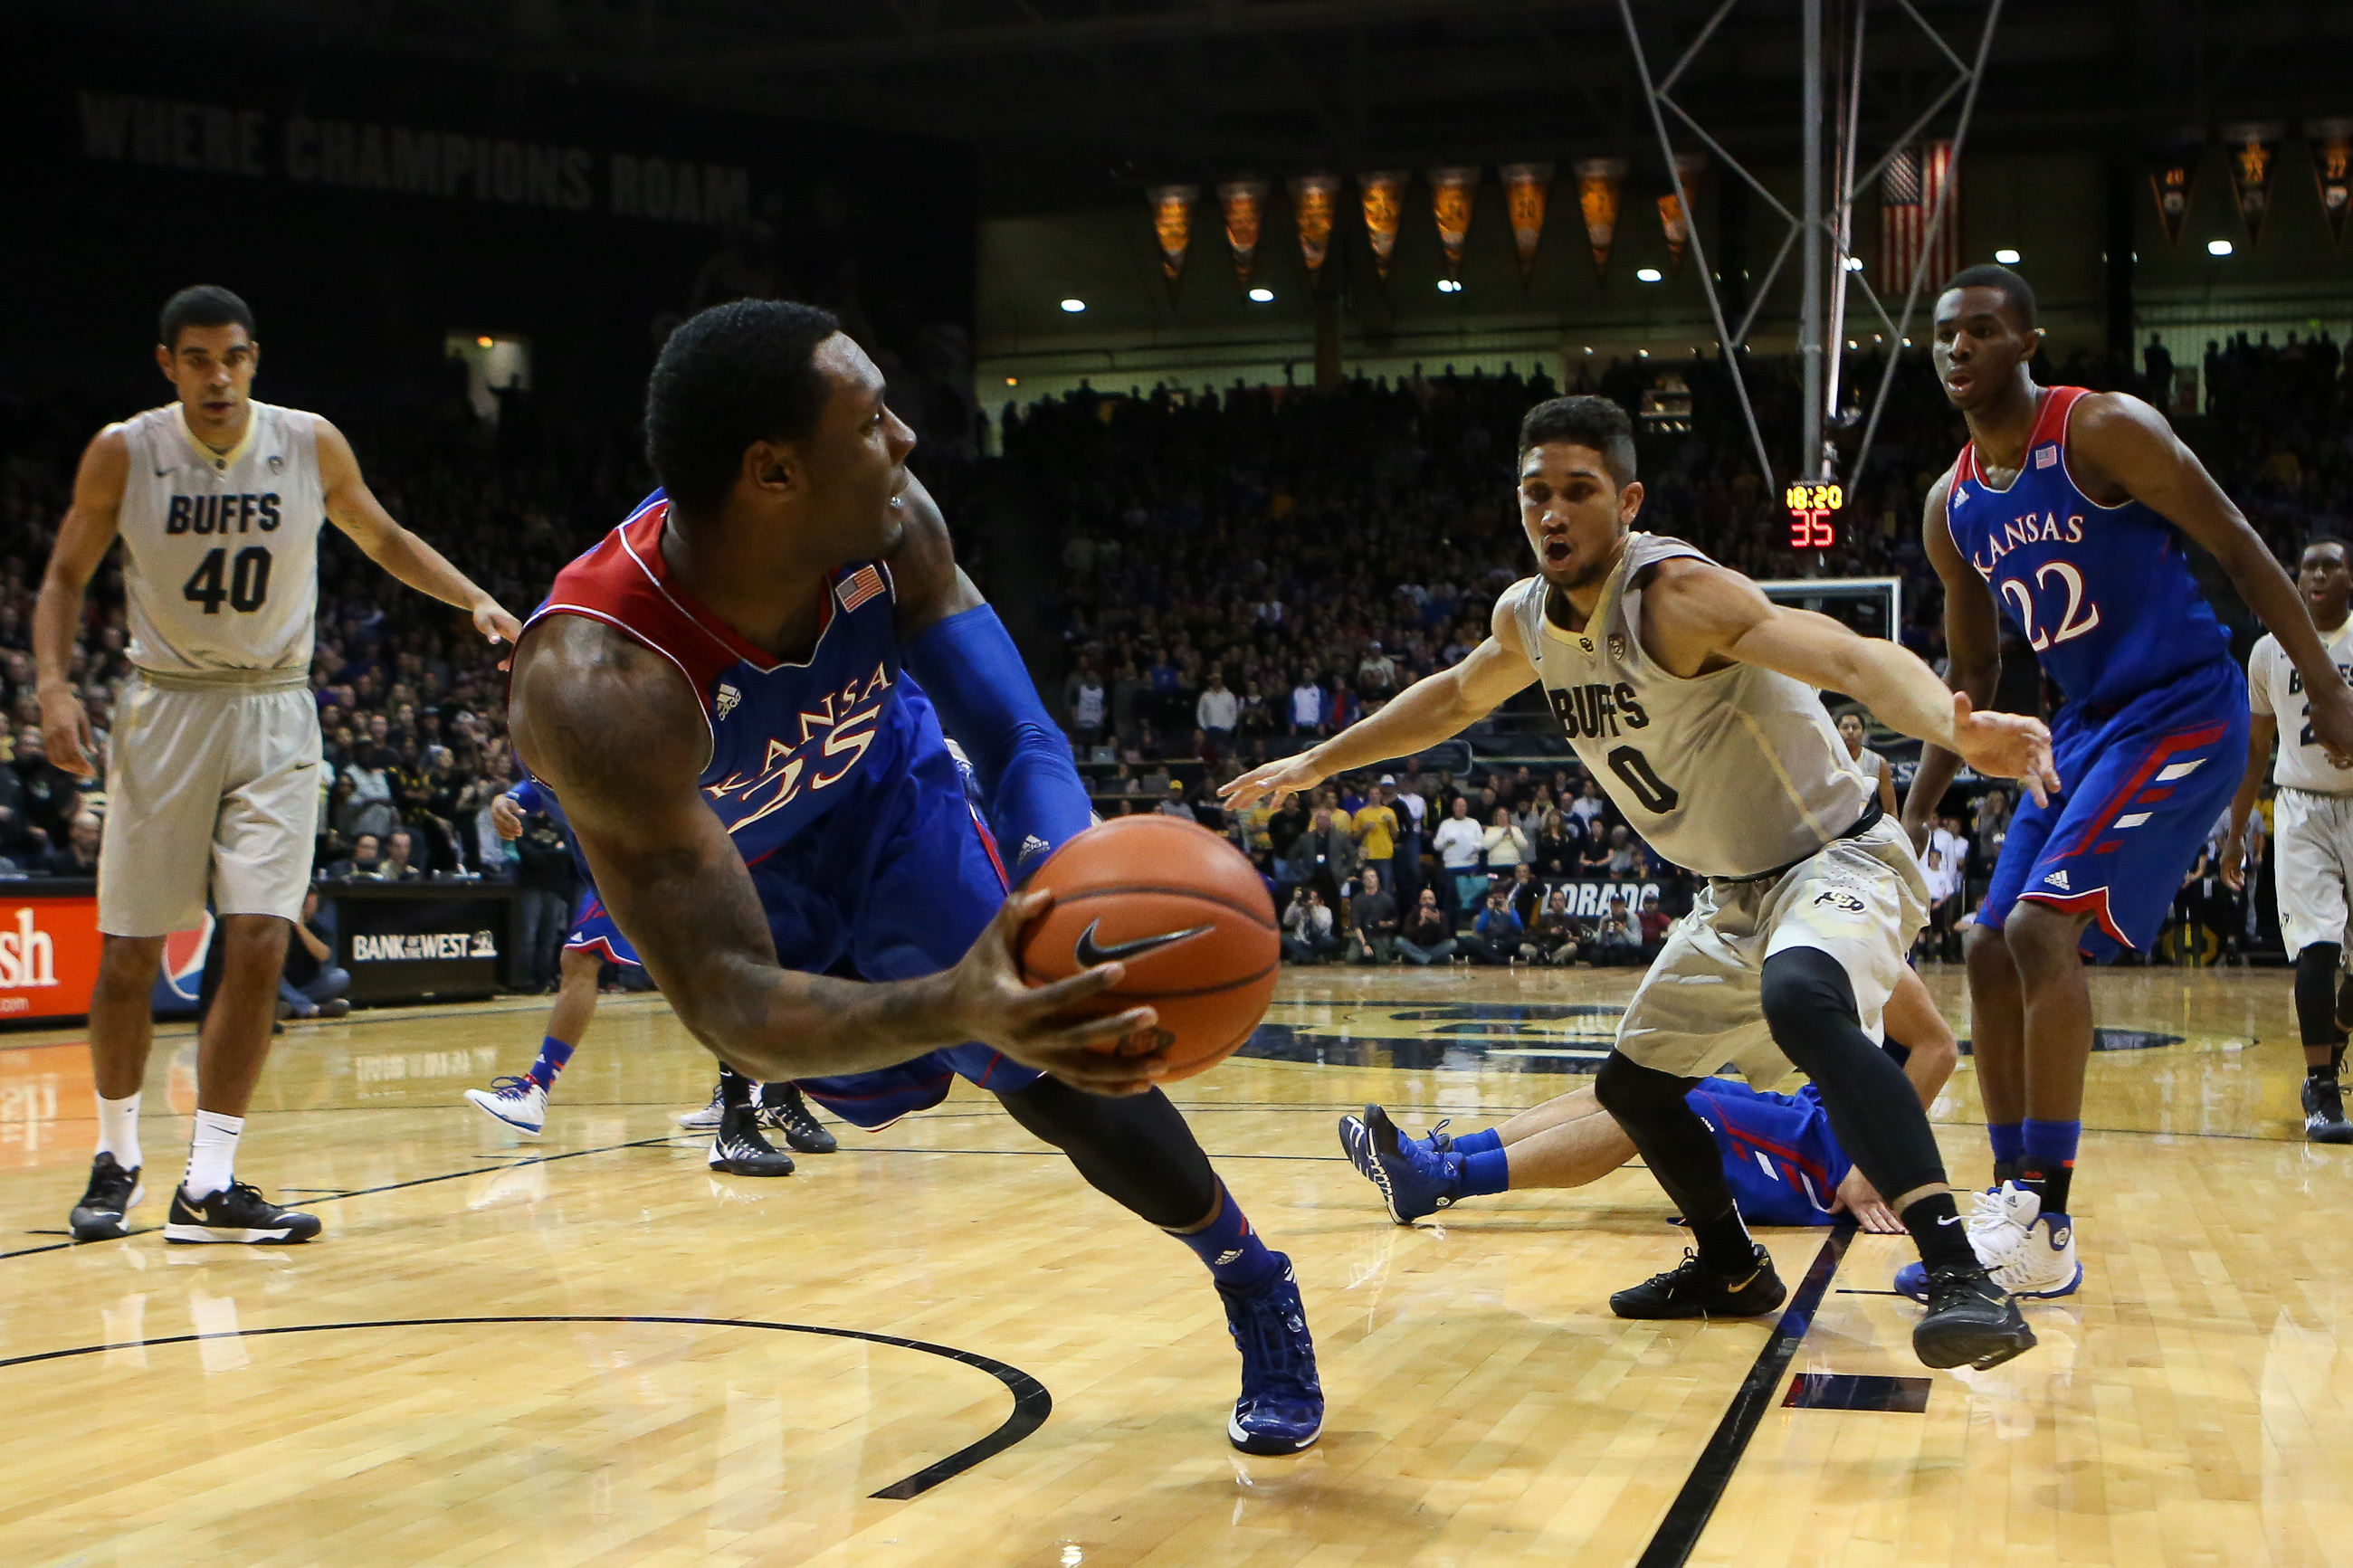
column 2058, row 878
column 1089, row 953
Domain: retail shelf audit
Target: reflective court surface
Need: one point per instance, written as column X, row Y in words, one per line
column 938, row 1346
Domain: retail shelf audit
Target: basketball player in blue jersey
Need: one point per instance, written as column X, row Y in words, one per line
column 725, row 695
column 2066, row 514
column 738, row 1108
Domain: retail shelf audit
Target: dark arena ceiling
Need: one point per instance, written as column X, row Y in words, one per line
column 1077, row 102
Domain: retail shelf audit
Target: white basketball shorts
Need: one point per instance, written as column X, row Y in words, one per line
column 2312, row 846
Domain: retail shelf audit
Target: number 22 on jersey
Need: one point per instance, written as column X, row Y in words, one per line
column 2075, row 618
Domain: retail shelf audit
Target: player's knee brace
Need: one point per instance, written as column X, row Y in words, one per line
column 2316, row 994
column 1134, row 1150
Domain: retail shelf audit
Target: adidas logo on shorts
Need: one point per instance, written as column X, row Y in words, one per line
column 2058, row 878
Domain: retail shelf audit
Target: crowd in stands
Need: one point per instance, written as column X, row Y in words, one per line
column 1241, row 574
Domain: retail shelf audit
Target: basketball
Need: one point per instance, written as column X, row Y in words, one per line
column 1187, row 914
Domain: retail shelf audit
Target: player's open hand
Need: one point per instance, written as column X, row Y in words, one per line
column 1273, row 783
column 490, row 619
column 66, row 733
column 1858, row 1197
column 2330, row 713
column 1119, row 1053
column 2006, row 746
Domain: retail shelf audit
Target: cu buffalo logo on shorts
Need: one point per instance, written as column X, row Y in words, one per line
column 1840, row 899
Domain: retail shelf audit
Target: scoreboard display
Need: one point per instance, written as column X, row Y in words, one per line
column 1813, row 514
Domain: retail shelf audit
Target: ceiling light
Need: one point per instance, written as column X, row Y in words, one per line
column 1261, row 296
column 1649, row 275
column 2007, row 256
column 1641, row 354
column 1854, row 264
column 1074, row 306
column 1012, row 381
column 483, row 342
column 1449, row 286
column 2219, row 248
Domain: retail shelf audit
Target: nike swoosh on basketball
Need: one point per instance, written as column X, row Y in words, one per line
column 1089, row 954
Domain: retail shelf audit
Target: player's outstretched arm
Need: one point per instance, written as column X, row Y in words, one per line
column 1972, row 648
column 2261, row 730
column 1434, row 709
column 1696, row 613
column 82, row 540
column 618, row 736
column 352, row 507
column 965, row 661
column 2117, row 443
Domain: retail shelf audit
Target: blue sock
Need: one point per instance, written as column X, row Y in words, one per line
column 553, row 1054
column 2050, row 1161
column 2008, row 1139
column 1483, row 1141
column 1488, row 1171
column 1236, row 1257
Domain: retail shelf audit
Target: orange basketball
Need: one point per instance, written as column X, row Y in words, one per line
column 1183, row 910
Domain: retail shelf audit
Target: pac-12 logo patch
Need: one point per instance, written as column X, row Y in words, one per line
column 1840, row 899
column 1617, row 646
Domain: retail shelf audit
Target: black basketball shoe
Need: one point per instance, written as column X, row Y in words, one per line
column 1971, row 1322
column 238, row 1214
column 782, row 1110
column 113, row 1192
column 740, row 1151
column 2324, row 1113
column 1691, row 1289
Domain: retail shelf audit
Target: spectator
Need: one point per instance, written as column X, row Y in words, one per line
column 1554, row 935
column 1376, row 672
column 1088, row 703
column 1620, row 938
column 365, row 860
column 1372, row 923
column 1428, row 936
column 78, row 856
column 1218, row 711
column 1306, row 706
column 367, row 807
column 399, row 865
column 1626, row 859
column 544, row 880
column 1506, row 846
column 1525, row 893
column 1655, row 922
column 1495, row 937
column 1593, row 860
column 1874, row 766
column 1375, row 826
column 1325, row 855
column 1557, row 845
column 1307, row 929
column 313, row 984
column 1590, row 805
column 1176, row 805
column 1459, row 844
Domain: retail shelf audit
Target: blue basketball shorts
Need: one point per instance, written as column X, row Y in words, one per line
column 593, row 928
column 894, row 883
column 1780, row 1158
column 2142, row 782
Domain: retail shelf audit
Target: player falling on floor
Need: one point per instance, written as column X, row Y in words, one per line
column 725, row 695
column 1780, row 1156
column 213, row 773
column 2065, row 513
column 1694, row 699
column 739, row 1109
column 2312, row 857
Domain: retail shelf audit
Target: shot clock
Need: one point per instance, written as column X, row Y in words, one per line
column 1813, row 510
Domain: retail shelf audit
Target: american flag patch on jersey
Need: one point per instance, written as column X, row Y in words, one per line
column 2045, row 455
column 858, row 587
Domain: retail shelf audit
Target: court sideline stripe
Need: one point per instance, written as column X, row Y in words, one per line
column 1687, row 1516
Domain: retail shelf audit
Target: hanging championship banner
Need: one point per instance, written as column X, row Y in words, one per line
column 1314, row 198
column 1383, row 199
column 2172, row 172
column 1674, row 221
column 1172, row 220
column 1450, row 192
column 1526, row 188
column 2254, row 152
column 2332, row 165
column 1596, row 198
column 1244, row 201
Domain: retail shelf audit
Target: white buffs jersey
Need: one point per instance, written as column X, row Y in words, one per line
column 2275, row 690
column 1730, row 774
column 221, row 549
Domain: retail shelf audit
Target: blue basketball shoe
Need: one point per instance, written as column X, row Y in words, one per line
column 1413, row 1178
column 1280, row 1410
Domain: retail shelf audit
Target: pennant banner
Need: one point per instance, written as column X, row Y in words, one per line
column 1314, row 198
column 2332, row 165
column 1908, row 194
column 1673, row 220
column 1384, row 198
column 1596, row 198
column 2171, row 173
column 2254, row 156
column 1526, row 188
column 1450, row 193
column 1172, row 220
column 1244, row 201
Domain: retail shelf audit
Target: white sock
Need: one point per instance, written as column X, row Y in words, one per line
column 118, row 1130
column 212, row 1154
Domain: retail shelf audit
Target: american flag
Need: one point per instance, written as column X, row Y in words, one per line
column 858, row 587
column 1908, row 191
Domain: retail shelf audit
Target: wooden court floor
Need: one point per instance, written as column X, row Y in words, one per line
column 589, row 1351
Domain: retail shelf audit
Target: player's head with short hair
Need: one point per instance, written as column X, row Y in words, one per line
column 762, row 410
column 1578, row 492
column 1985, row 332
column 205, row 347
column 2323, row 575
column 201, row 305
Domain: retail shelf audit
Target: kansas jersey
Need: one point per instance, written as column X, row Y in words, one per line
column 220, row 549
column 2103, row 594
column 2275, row 690
column 1729, row 774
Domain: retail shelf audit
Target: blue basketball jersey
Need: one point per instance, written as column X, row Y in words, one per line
column 2104, row 594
